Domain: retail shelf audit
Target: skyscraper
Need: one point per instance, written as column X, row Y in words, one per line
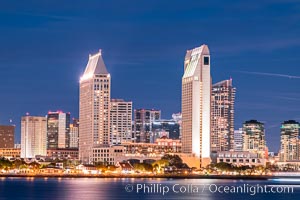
column 74, row 134
column 289, row 139
column 94, row 107
column 254, row 137
column 120, row 121
column 58, row 130
column 33, row 136
column 143, row 119
column 222, row 120
column 196, row 104
column 7, row 135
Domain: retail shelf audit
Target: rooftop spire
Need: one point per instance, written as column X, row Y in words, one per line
column 95, row 65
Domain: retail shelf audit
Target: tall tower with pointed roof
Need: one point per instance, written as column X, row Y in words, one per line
column 94, row 107
column 196, row 104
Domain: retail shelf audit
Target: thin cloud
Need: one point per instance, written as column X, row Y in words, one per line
column 270, row 74
column 41, row 15
column 287, row 98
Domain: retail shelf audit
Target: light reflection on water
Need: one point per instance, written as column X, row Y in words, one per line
column 114, row 188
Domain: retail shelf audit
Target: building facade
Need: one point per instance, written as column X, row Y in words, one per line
column 74, row 134
column 94, row 107
column 7, row 136
column 241, row 158
column 108, row 154
column 196, row 104
column 69, row 154
column 289, row 141
column 143, row 119
column 33, row 136
column 136, row 152
column 222, row 119
column 58, row 130
column 120, row 121
column 238, row 140
column 254, row 137
column 10, row 153
column 160, row 147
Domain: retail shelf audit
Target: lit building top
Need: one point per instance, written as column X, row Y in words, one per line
column 95, row 66
column 290, row 122
column 194, row 56
column 225, row 83
column 252, row 121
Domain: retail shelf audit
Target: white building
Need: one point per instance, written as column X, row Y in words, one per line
column 196, row 104
column 94, row 107
column 109, row 154
column 33, row 136
column 74, row 136
column 242, row 158
column 120, row 121
column 238, row 140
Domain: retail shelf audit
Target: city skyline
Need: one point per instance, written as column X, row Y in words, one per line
column 99, row 53
column 250, row 54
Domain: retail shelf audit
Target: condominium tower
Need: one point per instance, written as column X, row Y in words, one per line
column 33, row 136
column 289, row 139
column 222, row 119
column 238, row 140
column 254, row 137
column 74, row 134
column 94, row 107
column 7, row 135
column 58, row 130
column 143, row 119
column 120, row 121
column 196, row 104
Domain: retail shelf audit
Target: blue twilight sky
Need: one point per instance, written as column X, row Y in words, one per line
column 44, row 47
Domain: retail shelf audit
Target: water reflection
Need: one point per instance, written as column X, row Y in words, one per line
column 114, row 188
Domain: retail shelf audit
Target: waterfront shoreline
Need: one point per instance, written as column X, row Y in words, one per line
column 254, row 177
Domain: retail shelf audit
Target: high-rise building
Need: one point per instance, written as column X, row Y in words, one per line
column 143, row 119
column 238, row 140
column 74, row 134
column 196, row 104
column 222, row 119
column 120, row 121
column 94, row 107
column 33, row 136
column 7, row 135
column 289, row 139
column 58, row 130
column 254, row 137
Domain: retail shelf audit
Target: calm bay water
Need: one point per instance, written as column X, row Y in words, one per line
column 126, row 188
